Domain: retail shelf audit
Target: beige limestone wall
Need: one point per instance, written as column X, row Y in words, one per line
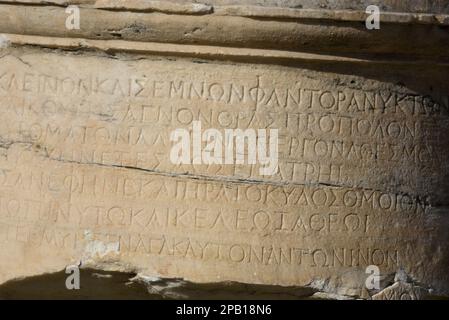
column 85, row 174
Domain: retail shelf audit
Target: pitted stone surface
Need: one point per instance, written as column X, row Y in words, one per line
column 86, row 178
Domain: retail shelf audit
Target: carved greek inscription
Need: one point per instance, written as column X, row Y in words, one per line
column 84, row 159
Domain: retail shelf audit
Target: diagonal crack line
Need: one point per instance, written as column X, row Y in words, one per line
column 223, row 179
column 235, row 180
column 199, row 176
column 4, row 144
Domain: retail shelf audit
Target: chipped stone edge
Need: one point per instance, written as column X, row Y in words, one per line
column 253, row 11
column 194, row 51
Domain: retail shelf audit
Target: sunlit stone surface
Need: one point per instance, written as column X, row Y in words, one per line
column 85, row 170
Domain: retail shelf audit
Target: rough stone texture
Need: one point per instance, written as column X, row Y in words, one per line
column 118, row 285
column 426, row 6
column 85, row 175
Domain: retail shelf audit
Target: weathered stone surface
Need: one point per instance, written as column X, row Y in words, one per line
column 85, row 174
column 118, row 285
column 402, row 291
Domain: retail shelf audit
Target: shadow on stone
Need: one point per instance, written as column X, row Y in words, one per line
column 100, row 285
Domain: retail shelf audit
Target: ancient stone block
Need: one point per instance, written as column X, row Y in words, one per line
column 362, row 173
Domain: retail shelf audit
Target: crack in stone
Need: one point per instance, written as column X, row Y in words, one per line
column 419, row 199
column 239, row 180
